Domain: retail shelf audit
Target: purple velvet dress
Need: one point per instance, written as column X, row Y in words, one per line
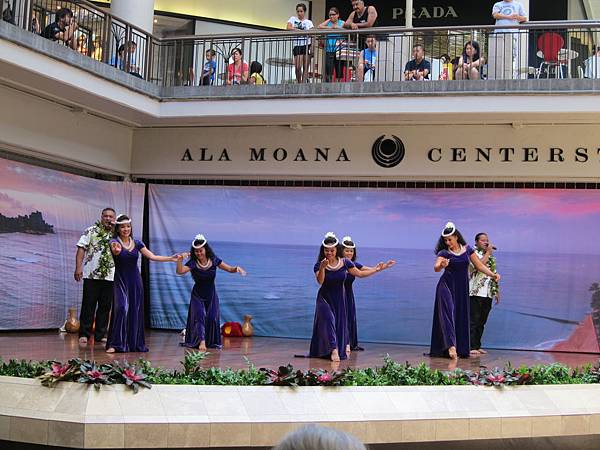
column 203, row 322
column 351, row 309
column 126, row 329
column 451, row 309
column 330, row 327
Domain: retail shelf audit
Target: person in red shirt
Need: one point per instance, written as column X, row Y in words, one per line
column 237, row 71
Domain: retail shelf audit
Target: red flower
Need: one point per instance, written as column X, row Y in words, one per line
column 94, row 374
column 324, row 378
column 59, row 370
column 131, row 375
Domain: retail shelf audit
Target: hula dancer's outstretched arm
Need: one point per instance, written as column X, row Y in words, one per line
column 232, row 269
column 152, row 257
column 362, row 273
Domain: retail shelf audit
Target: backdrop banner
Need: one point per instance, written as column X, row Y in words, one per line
column 546, row 254
column 42, row 214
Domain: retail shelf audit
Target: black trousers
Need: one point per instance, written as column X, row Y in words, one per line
column 480, row 310
column 97, row 301
column 331, row 64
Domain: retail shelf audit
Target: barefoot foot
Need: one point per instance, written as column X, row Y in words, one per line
column 110, row 350
column 474, row 352
column 83, row 340
column 335, row 356
column 452, row 353
column 482, row 351
column 202, row 346
column 348, row 350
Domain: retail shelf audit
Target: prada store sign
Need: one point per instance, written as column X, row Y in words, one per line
column 438, row 13
column 536, row 151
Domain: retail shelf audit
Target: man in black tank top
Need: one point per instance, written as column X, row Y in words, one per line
column 362, row 16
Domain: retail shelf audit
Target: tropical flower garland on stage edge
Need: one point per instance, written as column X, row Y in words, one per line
column 143, row 374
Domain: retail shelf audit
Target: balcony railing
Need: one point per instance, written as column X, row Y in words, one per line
column 533, row 50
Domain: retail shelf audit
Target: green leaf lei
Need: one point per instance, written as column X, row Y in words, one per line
column 494, row 288
column 105, row 262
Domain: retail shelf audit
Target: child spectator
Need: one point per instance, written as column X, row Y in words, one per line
column 255, row 74
column 208, row 71
column 368, row 60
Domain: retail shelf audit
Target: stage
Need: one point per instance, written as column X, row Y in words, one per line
column 73, row 415
column 165, row 351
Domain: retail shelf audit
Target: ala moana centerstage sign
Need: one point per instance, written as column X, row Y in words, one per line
column 435, row 155
column 532, row 152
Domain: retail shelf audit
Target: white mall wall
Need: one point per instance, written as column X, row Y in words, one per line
column 54, row 132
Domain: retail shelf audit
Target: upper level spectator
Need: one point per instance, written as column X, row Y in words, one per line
column 301, row 50
column 592, row 65
column 8, row 15
column 504, row 50
column 367, row 61
column 63, row 28
column 255, row 74
column 210, row 67
column 237, row 71
column 332, row 45
column 469, row 64
column 125, row 59
column 417, row 69
column 362, row 16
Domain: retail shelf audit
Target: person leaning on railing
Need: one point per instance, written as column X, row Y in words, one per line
column 332, row 45
column 63, row 28
column 301, row 50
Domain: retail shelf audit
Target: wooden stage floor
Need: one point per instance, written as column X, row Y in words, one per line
column 262, row 351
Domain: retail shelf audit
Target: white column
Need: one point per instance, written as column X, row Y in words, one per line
column 139, row 12
column 408, row 14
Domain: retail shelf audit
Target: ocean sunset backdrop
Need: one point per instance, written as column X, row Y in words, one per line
column 547, row 255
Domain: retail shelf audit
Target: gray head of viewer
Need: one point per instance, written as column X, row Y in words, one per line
column 315, row 437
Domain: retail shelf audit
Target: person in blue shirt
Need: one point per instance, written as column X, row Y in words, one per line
column 367, row 60
column 332, row 45
column 208, row 71
column 504, row 60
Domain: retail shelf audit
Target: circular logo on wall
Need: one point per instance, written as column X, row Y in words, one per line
column 388, row 152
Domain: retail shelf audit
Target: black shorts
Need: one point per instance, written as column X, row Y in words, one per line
column 300, row 50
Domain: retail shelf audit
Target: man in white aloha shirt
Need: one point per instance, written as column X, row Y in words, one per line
column 482, row 289
column 95, row 266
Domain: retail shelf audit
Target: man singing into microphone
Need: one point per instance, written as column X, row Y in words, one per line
column 482, row 289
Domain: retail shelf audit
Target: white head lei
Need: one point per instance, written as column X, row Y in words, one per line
column 329, row 235
column 348, row 242
column 201, row 238
column 121, row 219
column 449, row 229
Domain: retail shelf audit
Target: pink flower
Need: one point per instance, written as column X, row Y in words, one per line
column 495, row 378
column 94, row 374
column 324, row 378
column 58, row 370
column 131, row 375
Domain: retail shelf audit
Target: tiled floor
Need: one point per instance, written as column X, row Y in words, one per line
column 262, row 351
